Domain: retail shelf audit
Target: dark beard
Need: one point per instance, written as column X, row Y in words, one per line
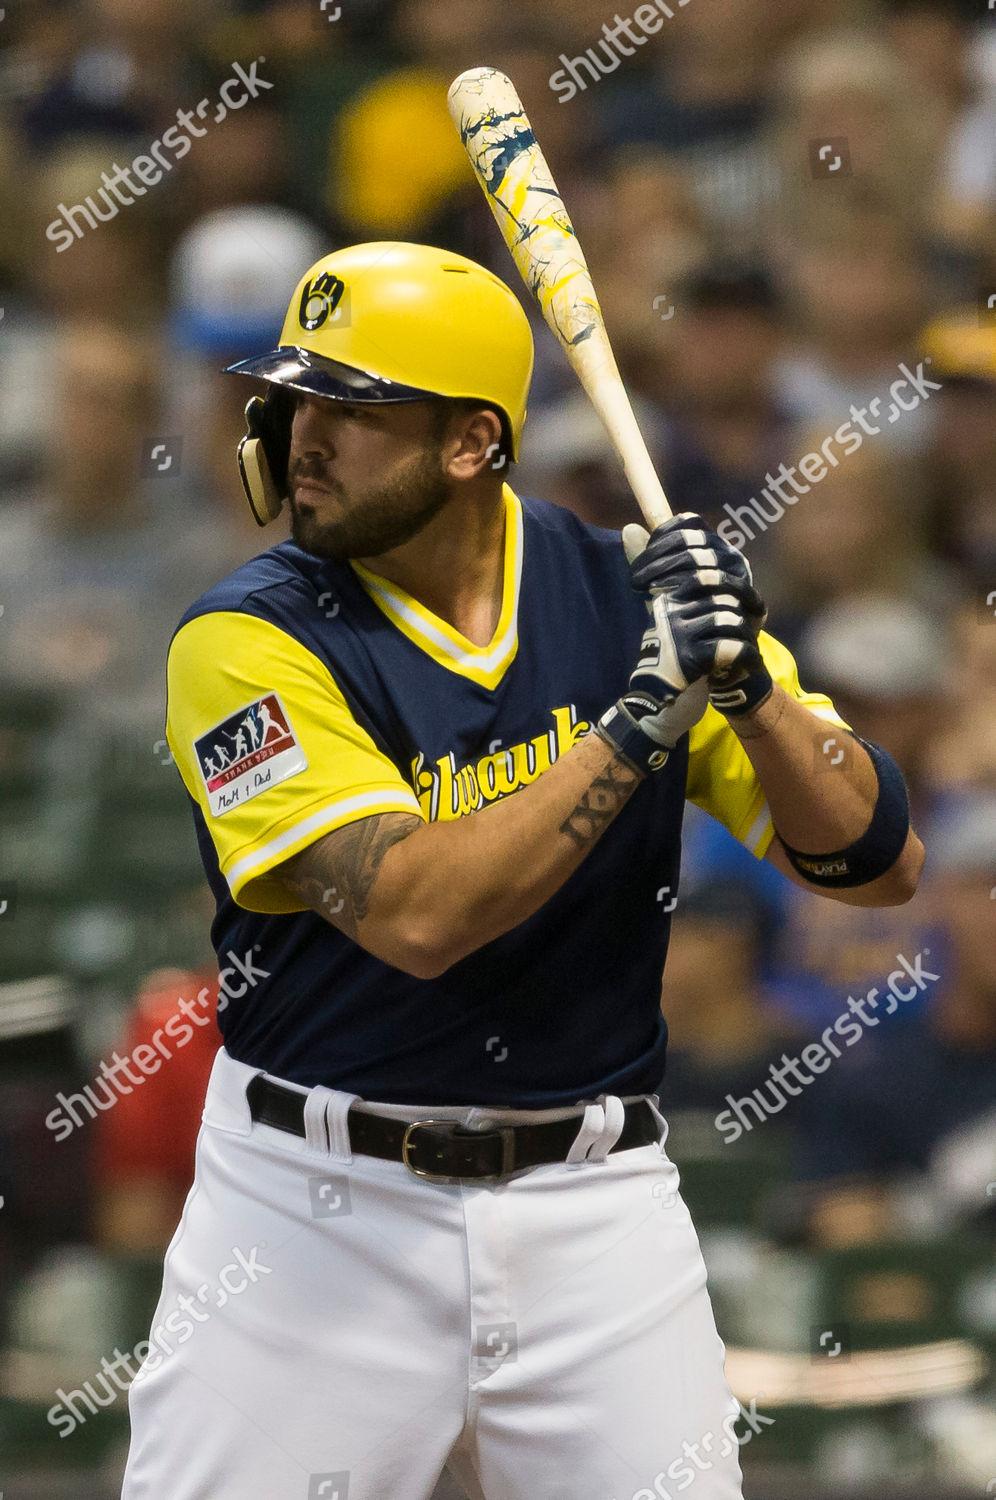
column 378, row 519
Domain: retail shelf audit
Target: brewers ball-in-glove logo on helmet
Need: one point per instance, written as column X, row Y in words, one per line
column 385, row 322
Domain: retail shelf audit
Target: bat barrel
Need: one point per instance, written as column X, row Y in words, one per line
column 537, row 228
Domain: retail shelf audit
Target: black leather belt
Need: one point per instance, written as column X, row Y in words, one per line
column 443, row 1150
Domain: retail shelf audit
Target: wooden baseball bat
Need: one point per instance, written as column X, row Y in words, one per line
column 537, row 228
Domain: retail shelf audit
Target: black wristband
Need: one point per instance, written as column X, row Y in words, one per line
column 620, row 729
column 879, row 846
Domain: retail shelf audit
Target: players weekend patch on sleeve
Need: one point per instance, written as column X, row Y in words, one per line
column 247, row 753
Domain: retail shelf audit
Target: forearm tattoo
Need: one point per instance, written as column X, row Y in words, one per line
column 336, row 875
column 600, row 803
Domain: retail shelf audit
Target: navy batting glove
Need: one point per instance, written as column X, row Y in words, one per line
column 703, row 598
column 684, row 551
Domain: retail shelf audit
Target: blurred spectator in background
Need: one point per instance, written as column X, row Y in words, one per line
column 939, row 47
column 109, row 274
column 962, row 753
column 97, row 562
column 145, row 1145
column 645, row 275
column 128, row 64
column 705, row 96
column 861, row 528
column 229, row 284
column 242, row 160
column 890, row 1108
column 720, row 1036
column 962, row 349
column 376, row 187
column 850, row 87
column 726, row 427
column 888, row 669
column 856, row 301
column 887, row 666
column 568, row 458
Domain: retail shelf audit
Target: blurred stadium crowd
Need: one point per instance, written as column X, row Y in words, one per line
column 788, row 206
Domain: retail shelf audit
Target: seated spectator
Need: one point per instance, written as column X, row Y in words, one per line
column 376, row 189
column 726, row 427
column 701, row 89
column 144, row 1162
column 97, row 563
column 242, row 160
column 856, row 298
column 961, row 346
column 861, row 528
column 567, row 457
column 645, row 237
column 849, row 87
column 123, row 70
column 891, row 671
column 50, row 288
column 720, row 1037
column 888, row 670
column 228, row 293
column 885, row 1111
column 939, row 45
column 962, row 754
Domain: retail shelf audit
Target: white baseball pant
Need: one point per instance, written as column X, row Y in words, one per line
column 333, row 1326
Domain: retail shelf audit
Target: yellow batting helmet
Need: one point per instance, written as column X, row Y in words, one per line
column 386, row 322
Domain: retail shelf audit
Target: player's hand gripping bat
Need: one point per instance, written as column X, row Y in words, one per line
column 537, row 228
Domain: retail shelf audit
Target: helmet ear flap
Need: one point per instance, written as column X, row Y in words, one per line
column 257, row 481
column 263, row 453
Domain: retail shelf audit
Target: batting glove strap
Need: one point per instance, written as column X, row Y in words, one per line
column 620, row 728
column 744, row 696
column 882, row 842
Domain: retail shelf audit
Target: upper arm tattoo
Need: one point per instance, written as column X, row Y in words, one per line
column 600, row 803
column 336, row 875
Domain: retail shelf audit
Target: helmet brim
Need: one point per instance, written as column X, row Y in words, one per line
column 316, row 375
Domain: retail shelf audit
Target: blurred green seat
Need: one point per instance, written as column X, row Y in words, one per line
column 142, row 831
column 722, row 1186
column 30, row 936
column 29, row 1441
column 146, row 855
column 908, row 1292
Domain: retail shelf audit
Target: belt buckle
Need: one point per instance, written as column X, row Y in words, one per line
column 506, row 1132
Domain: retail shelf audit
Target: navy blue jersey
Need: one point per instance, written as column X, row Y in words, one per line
column 305, row 694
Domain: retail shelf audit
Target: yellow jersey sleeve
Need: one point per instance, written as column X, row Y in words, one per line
column 268, row 749
column 721, row 779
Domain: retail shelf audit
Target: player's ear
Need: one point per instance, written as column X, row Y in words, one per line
column 475, row 444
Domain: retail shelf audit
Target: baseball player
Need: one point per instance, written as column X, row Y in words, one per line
column 443, row 878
